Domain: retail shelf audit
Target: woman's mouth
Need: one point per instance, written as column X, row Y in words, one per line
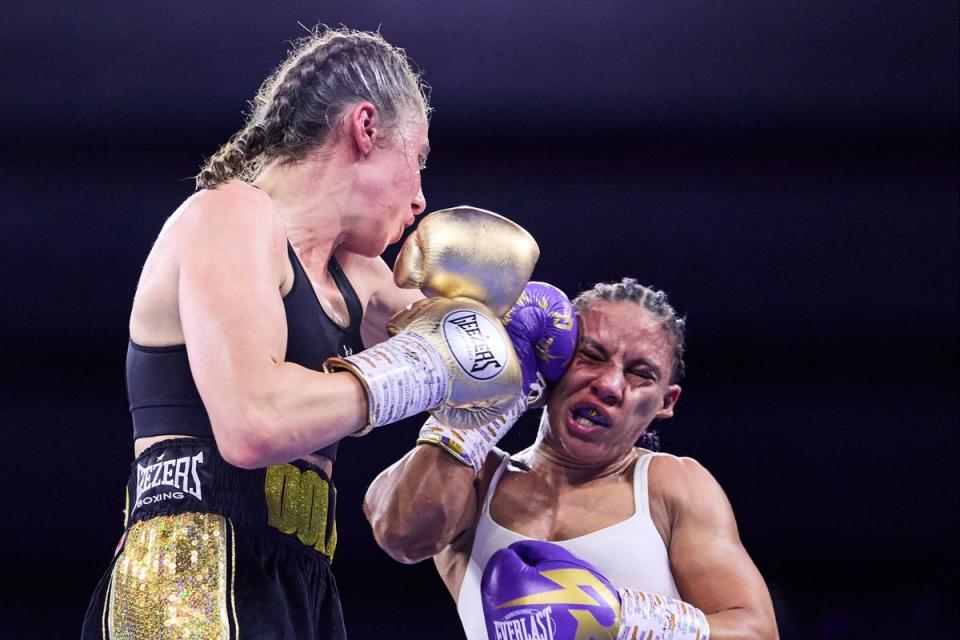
column 589, row 417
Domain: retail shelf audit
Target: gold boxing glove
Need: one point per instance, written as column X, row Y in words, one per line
column 451, row 357
column 468, row 252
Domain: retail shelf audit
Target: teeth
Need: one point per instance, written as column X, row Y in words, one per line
column 589, row 417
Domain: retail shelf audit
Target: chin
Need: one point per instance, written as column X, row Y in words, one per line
column 584, row 450
column 586, row 453
column 369, row 247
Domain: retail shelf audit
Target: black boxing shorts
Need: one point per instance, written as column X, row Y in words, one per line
column 213, row 551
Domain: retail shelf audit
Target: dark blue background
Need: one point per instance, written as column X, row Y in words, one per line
column 786, row 170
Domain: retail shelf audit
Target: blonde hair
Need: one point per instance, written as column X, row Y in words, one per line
column 297, row 106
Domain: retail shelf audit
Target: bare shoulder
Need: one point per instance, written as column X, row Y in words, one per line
column 237, row 225
column 674, row 470
column 683, row 482
column 684, row 496
column 228, row 206
column 217, row 229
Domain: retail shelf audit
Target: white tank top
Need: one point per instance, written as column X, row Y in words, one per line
column 629, row 553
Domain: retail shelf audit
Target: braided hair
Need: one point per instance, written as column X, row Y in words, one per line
column 656, row 302
column 297, row 106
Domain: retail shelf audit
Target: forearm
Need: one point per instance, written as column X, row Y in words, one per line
column 644, row 613
column 421, row 503
column 285, row 413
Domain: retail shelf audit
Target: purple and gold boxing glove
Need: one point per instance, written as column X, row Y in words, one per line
column 539, row 589
column 542, row 325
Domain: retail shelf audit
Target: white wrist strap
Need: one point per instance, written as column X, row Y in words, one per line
column 650, row 616
column 402, row 376
column 471, row 446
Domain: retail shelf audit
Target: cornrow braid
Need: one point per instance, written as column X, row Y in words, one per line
column 654, row 301
column 296, row 107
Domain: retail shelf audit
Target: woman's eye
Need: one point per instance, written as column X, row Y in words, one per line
column 644, row 376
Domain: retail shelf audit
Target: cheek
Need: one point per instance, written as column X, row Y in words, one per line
column 563, row 389
column 648, row 405
column 408, row 183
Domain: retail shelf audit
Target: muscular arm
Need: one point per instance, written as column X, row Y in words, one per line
column 384, row 297
column 423, row 502
column 709, row 563
column 231, row 252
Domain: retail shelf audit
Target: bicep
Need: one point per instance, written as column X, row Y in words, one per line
column 385, row 299
column 230, row 304
column 710, row 565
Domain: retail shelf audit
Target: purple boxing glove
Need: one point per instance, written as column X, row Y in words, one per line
column 543, row 327
column 535, row 589
column 539, row 589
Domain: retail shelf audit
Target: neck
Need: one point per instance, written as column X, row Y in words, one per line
column 550, row 459
column 310, row 197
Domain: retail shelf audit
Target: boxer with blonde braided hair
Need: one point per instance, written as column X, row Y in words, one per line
column 265, row 275
column 297, row 107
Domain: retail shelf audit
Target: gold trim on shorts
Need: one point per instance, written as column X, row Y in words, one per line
column 171, row 580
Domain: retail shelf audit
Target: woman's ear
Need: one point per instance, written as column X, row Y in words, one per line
column 362, row 124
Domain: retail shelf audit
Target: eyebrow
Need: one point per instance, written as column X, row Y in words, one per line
column 590, row 342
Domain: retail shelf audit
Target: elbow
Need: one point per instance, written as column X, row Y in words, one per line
column 764, row 628
column 771, row 632
column 405, row 548
column 244, row 440
column 242, row 452
column 415, row 542
column 768, row 627
column 240, row 455
column 399, row 549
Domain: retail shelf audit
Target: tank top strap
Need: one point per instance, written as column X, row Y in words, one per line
column 497, row 475
column 350, row 297
column 641, row 485
column 299, row 274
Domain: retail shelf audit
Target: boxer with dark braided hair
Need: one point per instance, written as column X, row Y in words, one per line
column 584, row 534
column 242, row 363
column 656, row 303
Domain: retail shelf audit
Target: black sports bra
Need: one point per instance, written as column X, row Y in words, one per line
column 163, row 396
